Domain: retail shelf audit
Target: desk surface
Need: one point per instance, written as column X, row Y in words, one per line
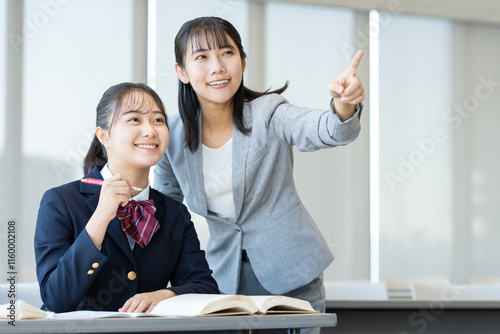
column 415, row 317
column 164, row 325
column 411, row 304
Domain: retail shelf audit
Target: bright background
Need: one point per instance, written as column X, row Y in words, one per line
column 439, row 98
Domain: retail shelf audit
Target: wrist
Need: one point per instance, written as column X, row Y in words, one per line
column 165, row 294
column 343, row 110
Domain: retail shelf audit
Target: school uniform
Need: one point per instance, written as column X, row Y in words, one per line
column 74, row 275
column 283, row 244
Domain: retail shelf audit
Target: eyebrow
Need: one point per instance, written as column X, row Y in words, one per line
column 220, row 47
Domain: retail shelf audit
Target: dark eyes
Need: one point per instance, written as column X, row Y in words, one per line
column 200, row 57
column 137, row 120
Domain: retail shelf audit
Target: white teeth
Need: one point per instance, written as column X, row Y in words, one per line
column 147, row 146
column 222, row 82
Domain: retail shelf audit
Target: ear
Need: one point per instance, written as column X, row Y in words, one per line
column 243, row 64
column 181, row 74
column 103, row 136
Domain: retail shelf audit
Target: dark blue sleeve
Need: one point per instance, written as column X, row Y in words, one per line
column 65, row 255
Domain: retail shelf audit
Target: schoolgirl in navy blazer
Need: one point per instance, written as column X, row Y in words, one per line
column 85, row 261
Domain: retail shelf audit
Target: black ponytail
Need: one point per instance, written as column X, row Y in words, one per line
column 96, row 156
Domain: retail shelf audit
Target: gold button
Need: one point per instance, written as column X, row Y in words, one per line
column 90, row 272
column 131, row 275
column 95, row 265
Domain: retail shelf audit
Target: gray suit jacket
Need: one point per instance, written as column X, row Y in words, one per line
column 285, row 247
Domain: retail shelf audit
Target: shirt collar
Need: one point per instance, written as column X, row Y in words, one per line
column 142, row 196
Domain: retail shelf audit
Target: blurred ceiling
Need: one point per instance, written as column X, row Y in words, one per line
column 479, row 11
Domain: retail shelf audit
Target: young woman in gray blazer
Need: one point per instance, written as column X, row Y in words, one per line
column 230, row 157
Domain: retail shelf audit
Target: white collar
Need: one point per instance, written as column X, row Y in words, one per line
column 142, row 196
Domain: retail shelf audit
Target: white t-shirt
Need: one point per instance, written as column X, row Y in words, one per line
column 218, row 179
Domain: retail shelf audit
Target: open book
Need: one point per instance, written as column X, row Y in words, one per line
column 20, row 310
column 214, row 305
column 188, row 305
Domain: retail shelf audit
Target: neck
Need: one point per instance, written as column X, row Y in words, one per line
column 138, row 177
column 217, row 117
column 216, row 127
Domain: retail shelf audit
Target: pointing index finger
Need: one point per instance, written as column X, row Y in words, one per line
column 355, row 62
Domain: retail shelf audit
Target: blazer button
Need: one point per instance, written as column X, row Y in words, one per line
column 131, row 275
column 90, row 272
column 95, row 265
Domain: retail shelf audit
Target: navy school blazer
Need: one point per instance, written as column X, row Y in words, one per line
column 74, row 275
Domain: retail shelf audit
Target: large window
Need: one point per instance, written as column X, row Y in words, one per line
column 72, row 52
column 439, row 93
column 416, row 180
column 439, row 97
column 302, row 45
column 3, row 119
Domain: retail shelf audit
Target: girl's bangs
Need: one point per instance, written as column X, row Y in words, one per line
column 209, row 37
column 135, row 100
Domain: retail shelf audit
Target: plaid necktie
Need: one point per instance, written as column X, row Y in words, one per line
column 138, row 220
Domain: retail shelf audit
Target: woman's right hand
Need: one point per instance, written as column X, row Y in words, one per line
column 115, row 191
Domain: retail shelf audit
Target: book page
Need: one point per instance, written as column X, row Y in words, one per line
column 86, row 314
column 282, row 304
column 21, row 310
column 203, row 304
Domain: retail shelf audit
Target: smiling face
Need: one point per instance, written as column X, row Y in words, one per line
column 138, row 136
column 214, row 69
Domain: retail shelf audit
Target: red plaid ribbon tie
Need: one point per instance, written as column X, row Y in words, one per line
column 138, row 220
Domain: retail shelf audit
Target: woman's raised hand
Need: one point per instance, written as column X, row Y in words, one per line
column 347, row 90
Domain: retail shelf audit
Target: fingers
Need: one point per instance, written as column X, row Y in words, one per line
column 114, row 192
column 347, row 86
column 354, row 91
column 355, row 62
column 139, row 303
column 336, row 88
column 117, row 187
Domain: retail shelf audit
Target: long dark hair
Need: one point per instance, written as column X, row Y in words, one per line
column 109, row 109
column 215, row 31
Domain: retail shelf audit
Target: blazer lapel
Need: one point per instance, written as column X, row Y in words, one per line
column 114, row 228
column 241, row 144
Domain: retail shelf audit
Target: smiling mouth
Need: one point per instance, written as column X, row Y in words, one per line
column 147, row 146
column 218, row 83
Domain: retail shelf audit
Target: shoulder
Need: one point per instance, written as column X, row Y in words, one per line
column 260, row 111
column 176, row 142
column 61, row 200
column 64, row 191
column 175, row 125
column 268, row 101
